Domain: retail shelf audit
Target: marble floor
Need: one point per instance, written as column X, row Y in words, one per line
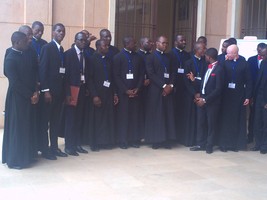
column 140, row 174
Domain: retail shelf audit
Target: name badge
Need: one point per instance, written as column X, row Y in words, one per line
column 166, row 75
column 106, row 84
column 198, row 78
column 82, row 78
column 180, row 70
column 62, row 70
column 129, row 76
column 231, row 85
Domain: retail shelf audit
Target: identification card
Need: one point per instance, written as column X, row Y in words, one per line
column 82, row 78
column 180, row 70
column 198, row 78
column 106, row 84
column 62, row 70
column 166, row 75
column 129, row 76
column 231, row 85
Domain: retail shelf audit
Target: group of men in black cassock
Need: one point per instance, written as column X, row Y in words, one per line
column 107, row 97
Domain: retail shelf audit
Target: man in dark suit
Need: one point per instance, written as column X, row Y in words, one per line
column 260, row 101
column 88, row 51
column 37, row 41
column 128, row 77
column 209, row 103
column 106, row 36
column 222, row 56
column 76, row 64
column 52, row 73
column 254, row 63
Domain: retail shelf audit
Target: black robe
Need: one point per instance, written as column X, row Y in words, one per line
column 189, row 127
column 233, row 112
column 159, row 123
column 19, row 142
column 128, row 109
column 102, row 121
column 178, row 59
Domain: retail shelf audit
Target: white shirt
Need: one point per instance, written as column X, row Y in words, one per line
column 207, row 75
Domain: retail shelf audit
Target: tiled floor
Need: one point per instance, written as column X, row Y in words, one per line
column 140, row 174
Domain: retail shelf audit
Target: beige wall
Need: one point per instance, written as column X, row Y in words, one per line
column 75, row 15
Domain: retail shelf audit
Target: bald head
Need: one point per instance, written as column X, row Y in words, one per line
column 232, row 52
column 27, row 31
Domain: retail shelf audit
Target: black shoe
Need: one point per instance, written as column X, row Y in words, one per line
column 255, row 148
column 59, row 153
column 223, row 149
column 209, row 150
column 135, row 145
column 95, row 148
column 123, row 146
column 155, row 146
column 71, row 152
column 197, row 148
column 81, row 150
column 49, row 156
column 263, row 151
column 167, row 146
column 14, row 167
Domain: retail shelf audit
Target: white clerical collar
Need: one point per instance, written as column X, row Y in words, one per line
column 78, row 51
column 127, row 50
column 144, row 51
column 16, row 50
column 160, row 51
column 180, row 50
column 35, row 38
column 58, row 45
column 197, row 57
column 103, row 57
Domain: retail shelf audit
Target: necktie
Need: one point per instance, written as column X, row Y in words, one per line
column 81, row 61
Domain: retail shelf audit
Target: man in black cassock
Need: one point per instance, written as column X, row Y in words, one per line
column 146, row 46
column 128, row 77
column 106, row 36
column 18, row 142
column 76, row 67
column 179, row 57
column 222, row 56
column 101, row 87
column 260, row 101
column 195, row 66
column 209, row 103
column 236, row 94
column 159, row 124
column 37, row 42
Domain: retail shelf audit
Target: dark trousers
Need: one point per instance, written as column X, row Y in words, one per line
column 50, row 120
column 74, row 121
column 260, row 125
column 207, row 120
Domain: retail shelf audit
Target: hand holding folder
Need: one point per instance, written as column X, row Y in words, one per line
column 74, row 93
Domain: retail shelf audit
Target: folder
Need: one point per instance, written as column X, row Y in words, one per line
column 74, row 92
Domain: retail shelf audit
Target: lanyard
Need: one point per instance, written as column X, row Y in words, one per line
column 178, row 56
column 37, row 46
column 81, row 61
column 61, row 54
column 161, row 61
column 234, row 64
column 196, row 65
column 130, row 65
column 105, row 66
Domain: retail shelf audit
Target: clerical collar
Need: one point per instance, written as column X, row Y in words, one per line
column 180, row 50
column 58, row 45
column 144, row 51
column 199, row 58
column 127, row 50
column 16, row 50
column 161, row 52
column 78, row 51
column 35, row 38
